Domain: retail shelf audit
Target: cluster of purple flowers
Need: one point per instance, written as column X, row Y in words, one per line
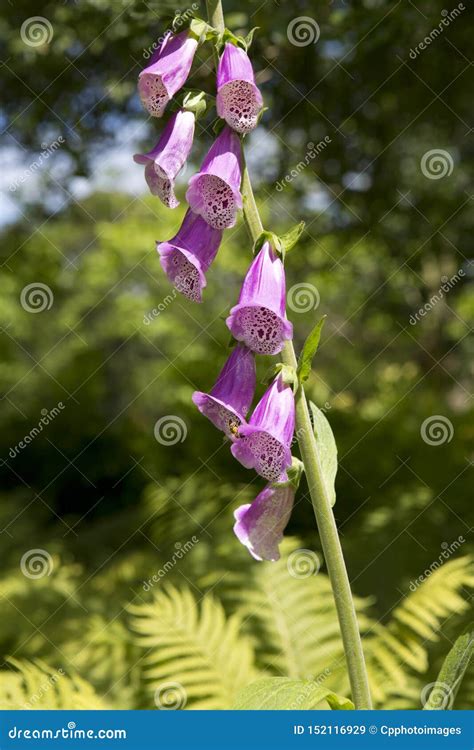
column 258, row 321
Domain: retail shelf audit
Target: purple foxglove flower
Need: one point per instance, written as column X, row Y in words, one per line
column 229, row 401
column 187, row 256
column 163, row 163
column 238, row 99
column 167, row 73
column 264, row 443
column 214, row 192
column 260, row 525
column 259, row 319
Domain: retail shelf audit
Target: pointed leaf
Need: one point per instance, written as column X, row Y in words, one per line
column 249, row 37
column 290, row 238
column 281, row 693
column 295, row 472
column 444, row 690
column 228, row 36
column 309, row 350
column 201, row 30
column 195, row 101
column 327, row 449
column 338, row 703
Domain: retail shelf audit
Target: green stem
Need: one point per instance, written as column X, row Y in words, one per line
column 325, row 520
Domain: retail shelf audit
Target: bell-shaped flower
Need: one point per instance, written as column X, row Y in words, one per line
column 187, row 256
column 238, row 99
column 259, row 319
column 167, row 73
column 260, row 525
column 264, row 442
column 214, row 192
column 228, row 403
column 163, row 163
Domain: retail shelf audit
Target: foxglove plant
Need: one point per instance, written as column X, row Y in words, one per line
column 260, row 524
column 187, row 256
column 228, row 402
column 214, row 192
column 259, row 318
column 165, row 161
column 239, row 101
column 264, row 443
column 167, row 73
column 258, row 321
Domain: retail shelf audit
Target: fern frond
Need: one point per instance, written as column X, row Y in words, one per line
column 397, row 650
column 104, row 653
column 194, row 647
column 293, row 621
column 27, row 602
column 34, row 685
column 294, row 626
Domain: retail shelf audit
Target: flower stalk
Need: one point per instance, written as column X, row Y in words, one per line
column 259, row 319
column 321, row 501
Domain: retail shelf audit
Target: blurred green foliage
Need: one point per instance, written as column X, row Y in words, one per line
column 98, row 492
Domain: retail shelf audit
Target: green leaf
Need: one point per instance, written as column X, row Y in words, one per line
column 201, row 30
column 327, row 449
column 195, row 646
column 282, row 693
column 309, row 350
column 290, row 238
column 35, row 685
column 338, row 703
column 283, row 243
column 195, row 101
column 249, row 37
column 218, row 125
column 294, row 472
column 261, row 113
column 228, row 36
column 444, row 690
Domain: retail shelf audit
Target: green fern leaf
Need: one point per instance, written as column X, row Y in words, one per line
column 195, row 652
column 34, row 685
